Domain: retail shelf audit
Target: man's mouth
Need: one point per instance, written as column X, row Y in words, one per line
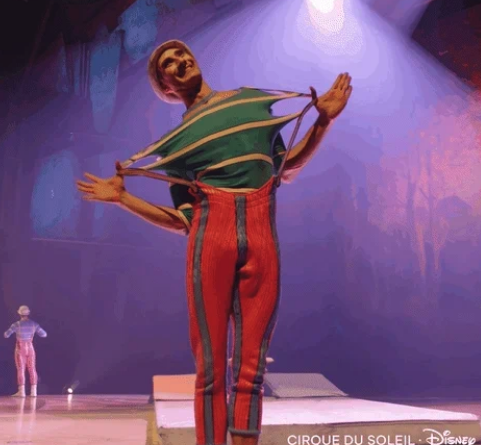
column 182, row 71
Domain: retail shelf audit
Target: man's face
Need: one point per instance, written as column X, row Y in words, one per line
column 178, row 70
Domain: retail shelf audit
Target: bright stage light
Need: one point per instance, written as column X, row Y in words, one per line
column 69, row 389
column 328, row 17
column 324, row 6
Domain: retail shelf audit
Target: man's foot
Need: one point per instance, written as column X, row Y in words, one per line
column 33, row 391
column 21, row 392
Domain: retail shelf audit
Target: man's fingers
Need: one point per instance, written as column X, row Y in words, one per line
column 85, row 189
column 348, row 92
column 92, row 177
column 348, row 81
column 84, row 184
column 88, row 190
column 90, row 198
column 337, row 81
column 340, row 80
column 118, row 167
column 345, row 81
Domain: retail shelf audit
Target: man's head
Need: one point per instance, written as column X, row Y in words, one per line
column 23, row 311
column 173, row 71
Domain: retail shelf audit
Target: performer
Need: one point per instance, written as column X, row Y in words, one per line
column 25, row 329
column 221, row 163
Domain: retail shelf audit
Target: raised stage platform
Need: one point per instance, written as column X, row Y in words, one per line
column 308, row 409
column 332, row 421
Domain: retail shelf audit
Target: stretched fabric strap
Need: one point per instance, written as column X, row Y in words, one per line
column 296, row 128
column 281, row 91
column 142, row 172
column 149, row 174
column 293, row 138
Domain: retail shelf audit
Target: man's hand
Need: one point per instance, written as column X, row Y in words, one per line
column 105, row 190
column 335, row 100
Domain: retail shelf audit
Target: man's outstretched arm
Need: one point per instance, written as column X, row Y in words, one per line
column 113, row 190
column 40, row 332
column 166, row 217
column 304, row 150
column 10, row 331
column 329, row 106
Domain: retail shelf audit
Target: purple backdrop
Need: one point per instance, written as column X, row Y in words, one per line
column 379, row 234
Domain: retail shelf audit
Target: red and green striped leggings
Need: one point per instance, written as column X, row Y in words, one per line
column 232, row 274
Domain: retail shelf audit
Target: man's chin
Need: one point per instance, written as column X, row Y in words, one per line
column 190, row 84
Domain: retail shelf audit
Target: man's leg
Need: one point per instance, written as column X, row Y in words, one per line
column 256, row 300
column 32, row 371
column 20, row 363
column 211, row 261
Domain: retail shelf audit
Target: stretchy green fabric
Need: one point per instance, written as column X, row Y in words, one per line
column 234, row 143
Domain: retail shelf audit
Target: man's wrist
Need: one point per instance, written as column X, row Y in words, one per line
column 123, row 196
column 323, row 119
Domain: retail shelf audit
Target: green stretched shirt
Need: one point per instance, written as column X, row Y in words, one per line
column 234, row 143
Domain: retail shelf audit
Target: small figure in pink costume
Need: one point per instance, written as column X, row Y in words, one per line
column 25, row 329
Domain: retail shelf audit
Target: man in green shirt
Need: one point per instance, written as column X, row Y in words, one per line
column 222, row 162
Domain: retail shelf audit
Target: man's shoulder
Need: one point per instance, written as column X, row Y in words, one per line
column 236, row 90
column 244, row 90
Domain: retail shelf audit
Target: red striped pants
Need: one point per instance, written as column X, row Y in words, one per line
column 25, row 358
column 232, row 273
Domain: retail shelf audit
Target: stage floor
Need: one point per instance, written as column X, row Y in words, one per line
column 113, row 419
column 78, row 420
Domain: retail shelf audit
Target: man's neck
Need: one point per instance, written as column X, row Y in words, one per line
column 192, row 98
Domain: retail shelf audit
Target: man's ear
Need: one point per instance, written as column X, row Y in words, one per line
column 164, row 87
